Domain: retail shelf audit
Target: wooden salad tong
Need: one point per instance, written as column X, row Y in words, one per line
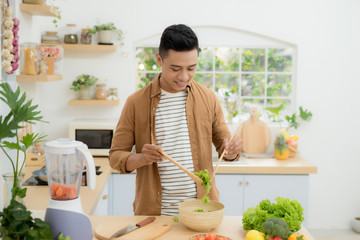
column 192, row 175
column 223, row 153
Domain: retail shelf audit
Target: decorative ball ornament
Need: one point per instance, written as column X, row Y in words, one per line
column 10, row 51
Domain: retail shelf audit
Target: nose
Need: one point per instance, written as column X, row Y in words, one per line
column 183, row 75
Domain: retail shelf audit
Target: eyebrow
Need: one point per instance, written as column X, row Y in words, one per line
column 172, row 65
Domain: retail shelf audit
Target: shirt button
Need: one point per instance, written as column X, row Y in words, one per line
column 153, row 109
column 158, row 193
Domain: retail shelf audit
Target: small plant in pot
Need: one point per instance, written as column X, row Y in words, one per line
column 106, row 32
column 83, row 84
column 15, row 220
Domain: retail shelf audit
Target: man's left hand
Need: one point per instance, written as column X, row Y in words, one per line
column 232, row 148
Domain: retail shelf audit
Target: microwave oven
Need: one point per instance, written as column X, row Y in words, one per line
column 97, row 134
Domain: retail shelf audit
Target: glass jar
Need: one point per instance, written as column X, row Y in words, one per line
column 70, row 36
column 113, row 94
column 101, row 93
column 9, row 183
column 28, row 58
column 50, row 56
column 85, row 36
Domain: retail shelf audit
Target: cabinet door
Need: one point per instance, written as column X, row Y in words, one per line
column 103, row 206
column 260, row 187
column 121, row 194
column 231, row 190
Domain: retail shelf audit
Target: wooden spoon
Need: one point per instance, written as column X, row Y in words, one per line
column 192, row 175
column 223, row 153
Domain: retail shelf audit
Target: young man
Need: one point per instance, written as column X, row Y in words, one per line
column 176, row 115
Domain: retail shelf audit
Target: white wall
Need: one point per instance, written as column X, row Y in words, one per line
column 326, row 33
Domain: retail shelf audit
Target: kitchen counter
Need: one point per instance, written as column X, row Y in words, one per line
column 230, row 227
column 296, row 165
column 38, row 196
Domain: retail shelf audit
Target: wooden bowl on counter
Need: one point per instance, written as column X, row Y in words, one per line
column 210, row 218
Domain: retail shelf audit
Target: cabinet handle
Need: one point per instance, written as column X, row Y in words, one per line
column 240, row 183
column 247, row 183
column 105, row 196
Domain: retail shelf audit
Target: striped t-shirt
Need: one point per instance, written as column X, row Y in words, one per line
column 172, row 135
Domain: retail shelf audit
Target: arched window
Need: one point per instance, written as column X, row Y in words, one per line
column 244, row 69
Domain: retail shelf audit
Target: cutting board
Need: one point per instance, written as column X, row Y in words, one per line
column 255, row 134
column 148, row 232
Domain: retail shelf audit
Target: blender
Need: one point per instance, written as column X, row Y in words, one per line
column 64, row 165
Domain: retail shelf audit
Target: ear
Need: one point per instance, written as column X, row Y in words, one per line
column 159, row 60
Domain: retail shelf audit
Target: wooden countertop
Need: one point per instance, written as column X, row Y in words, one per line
column 296, row 165
column 38, row 196
column 230, row 227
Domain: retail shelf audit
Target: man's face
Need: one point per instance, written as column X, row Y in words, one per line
column 178, row 68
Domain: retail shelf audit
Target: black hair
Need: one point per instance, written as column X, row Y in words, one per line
column 179, row 38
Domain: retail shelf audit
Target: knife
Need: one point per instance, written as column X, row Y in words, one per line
column 131, row 228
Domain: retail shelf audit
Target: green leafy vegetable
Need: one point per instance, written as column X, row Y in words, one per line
column 275, row 227
column 204, row 176
column 201, row 210
column 175, row 219
column 289, row 210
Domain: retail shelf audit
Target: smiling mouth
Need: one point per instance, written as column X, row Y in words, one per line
column 181, row 84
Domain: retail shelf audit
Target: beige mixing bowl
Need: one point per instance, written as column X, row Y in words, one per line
column 201, row 221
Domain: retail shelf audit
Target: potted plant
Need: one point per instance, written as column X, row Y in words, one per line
column 83, row 84
column 15, row 220
column 106, row 32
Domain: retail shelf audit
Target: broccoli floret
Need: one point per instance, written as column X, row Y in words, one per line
column 276, row 227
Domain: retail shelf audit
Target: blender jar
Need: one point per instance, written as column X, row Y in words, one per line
column 64, row 169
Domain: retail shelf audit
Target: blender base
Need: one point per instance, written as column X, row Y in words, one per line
column 74, row 224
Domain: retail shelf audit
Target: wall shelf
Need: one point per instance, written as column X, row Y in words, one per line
column 93, row 102
column 39, row 10
column 83, row 47
column 38, row 78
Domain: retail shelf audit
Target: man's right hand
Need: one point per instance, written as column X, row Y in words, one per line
column 149, row 154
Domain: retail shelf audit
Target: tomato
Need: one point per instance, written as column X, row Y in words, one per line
column 276, row 238
column 200, row 238
column 210, row 236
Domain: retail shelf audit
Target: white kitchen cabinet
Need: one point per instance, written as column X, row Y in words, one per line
column 103, row 206
column 239, row 192
column 121, row 194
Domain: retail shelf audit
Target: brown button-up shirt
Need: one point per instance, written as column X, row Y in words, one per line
column 136, row 126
